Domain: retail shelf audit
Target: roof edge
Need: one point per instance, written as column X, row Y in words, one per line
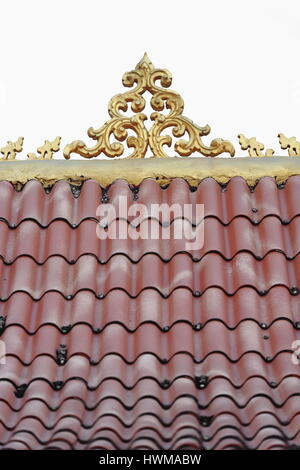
column 192, row 169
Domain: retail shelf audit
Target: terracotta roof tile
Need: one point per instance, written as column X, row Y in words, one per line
column 121, row 344
column 234, row 200
column 56, row 274
column 149, row 306
column 63, row 240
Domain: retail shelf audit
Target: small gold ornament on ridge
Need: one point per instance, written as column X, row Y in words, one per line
column 254, row 147
column 143, row 78
column 46, row 150
column 291, row 144
column 11, row 149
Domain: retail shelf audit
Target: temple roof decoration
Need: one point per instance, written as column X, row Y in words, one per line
column 169, row 128
column 144, row 78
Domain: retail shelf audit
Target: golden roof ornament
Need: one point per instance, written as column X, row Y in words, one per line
column 46, row 150
column 126, row 128
column 11, row 149
column 144, row 78
column 291, row 144
column 254, row 147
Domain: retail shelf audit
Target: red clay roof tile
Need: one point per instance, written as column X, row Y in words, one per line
column 61, row 239
column 56, row 274
column 121, row 344
column 235, row 200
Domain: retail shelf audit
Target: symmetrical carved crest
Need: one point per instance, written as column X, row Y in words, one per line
column 167, row 127
column 144, row 78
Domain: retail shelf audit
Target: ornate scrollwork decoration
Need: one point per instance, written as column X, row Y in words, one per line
column 291, row 144
column 254, row 147
column 11, row 149
column 144, row 78
column 46, row 150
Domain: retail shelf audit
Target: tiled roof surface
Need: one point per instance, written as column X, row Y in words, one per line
column 140, row 344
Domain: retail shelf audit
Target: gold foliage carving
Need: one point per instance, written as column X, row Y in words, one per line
column 291, row 144
column 254, row 147
column 11, row 149
column 46, row 150
column 145, row 78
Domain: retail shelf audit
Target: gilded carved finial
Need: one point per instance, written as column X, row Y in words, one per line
column 11, row 149
column 145, row 62
column 167, row 108
column 291, row 144
column 254, row 147
column 46, row 150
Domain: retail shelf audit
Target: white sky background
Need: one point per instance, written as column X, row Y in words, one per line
column 236, row 64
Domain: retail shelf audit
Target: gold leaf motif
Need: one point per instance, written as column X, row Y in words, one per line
column 46, row 150
column 144, row 78
column 11, row 149
column 254, row 147
column 291, row 144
